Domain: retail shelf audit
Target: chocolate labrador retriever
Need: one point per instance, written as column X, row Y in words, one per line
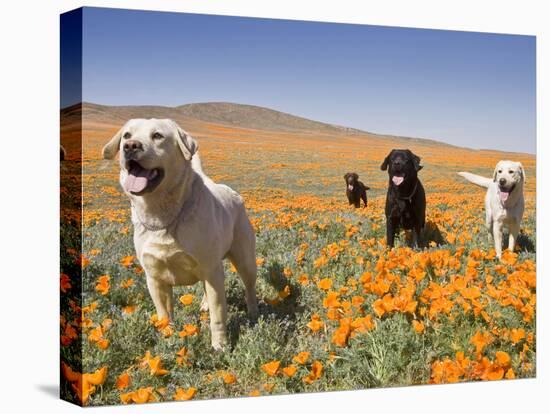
column 355, row 190
column 406, row 199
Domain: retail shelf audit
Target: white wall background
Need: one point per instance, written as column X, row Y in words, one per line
column 29, row 77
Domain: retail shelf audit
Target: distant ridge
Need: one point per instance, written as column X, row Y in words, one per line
column 256, row 117
column 225, row 113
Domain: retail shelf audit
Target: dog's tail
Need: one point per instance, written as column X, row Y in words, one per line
column 196, row 163
column 476, row 179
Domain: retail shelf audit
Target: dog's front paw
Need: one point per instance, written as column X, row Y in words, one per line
column 219, row 341
column 219, row 346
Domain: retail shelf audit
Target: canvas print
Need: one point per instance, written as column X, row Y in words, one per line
column 257, row 206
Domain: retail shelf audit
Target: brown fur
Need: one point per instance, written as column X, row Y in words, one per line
column 359, row 191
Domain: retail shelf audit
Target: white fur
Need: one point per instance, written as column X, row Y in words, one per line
column 499, row 215
column 187, row 225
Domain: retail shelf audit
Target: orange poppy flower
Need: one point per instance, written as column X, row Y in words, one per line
column 189, row 330
column 271, row 368
column 140, row 396
column 155, row 366
column 510, row 374
column 82, row 261
column 325, row 284
column 418, row 326
column 228, row 377
column 123, row 381
column 378, row 308
column 301, row 358
column 363, row 325
column 290, row 370
column 129, row 309
column 471, row 293
column 127, row 261
column 103, row 284
column 316, row 323
column 65, row 283
column 517, row 335
column 331, row 300
column 184, row 395
column 503, row 359
column 187, row 299
column 303, row 279
column 315, row 373
column 481, row 340
column 69, row 374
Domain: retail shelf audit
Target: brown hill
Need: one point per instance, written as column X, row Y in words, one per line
column 223, row 113
column 238, row 116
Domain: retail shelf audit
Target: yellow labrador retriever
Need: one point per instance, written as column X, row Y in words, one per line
column 184, row 223
column 504, row 202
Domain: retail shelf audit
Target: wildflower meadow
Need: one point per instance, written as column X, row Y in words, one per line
column 338, row 310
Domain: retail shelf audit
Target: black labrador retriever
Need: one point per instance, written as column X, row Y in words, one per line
column 355, row 190
column 406, row 199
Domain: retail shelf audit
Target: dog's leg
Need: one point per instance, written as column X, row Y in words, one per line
column 497, row 235
column 246, row 266
column 243, row 257
column 489, row 226
column 512, row 238
column 416, row 237
column 162, row 296
column 364, row 197
column 489, row 223
column 204, row 302
column 217, row 306
column 390, row 233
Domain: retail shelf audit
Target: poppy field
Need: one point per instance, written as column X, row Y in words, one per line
column 338, row 310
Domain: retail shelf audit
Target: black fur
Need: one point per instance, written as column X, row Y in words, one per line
column 359, row 191
column 406, row 202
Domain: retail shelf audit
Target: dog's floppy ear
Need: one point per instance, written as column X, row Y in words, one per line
column 496, row 171
column 522, row 170
column 416, row 161
column 111, row 148
column 384, row 165
column 346, row 175
column 186, row 143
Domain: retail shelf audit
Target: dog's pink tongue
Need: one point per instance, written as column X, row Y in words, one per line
column 397, row 180
column 137, row 179
column 503, row 195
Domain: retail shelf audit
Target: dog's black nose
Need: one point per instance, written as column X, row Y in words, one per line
column 502, row 181
column 132, row 145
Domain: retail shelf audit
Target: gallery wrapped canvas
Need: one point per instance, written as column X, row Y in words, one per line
column 258, row 206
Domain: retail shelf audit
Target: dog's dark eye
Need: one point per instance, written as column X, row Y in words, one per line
column 127, row 135
column 157, row 135
column 500, row 171
column 511, row 171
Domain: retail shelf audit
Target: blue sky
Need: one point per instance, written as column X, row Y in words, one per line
column 469, row 89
